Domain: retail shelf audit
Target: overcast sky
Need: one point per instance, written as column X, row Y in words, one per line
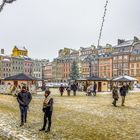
column 45, row 26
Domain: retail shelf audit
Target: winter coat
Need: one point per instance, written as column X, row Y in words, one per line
column 48, row 105
column 61, row 89
column 94, row 86
column 115, row 94
column 24, row 98
column 73, row 87
column 123, row 91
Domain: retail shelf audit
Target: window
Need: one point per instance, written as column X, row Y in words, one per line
column 137, row 65
column 132, row 72
column 125, row 72
column 120, row 58
column 114, row 73
column 119, row 66
column 125, row 65
column 137, row 72
column 125, row 57
column 132, row 65
column 114, row 58
column 114, row 66
column 119, row 73
column 132, row 58
column 100, row 67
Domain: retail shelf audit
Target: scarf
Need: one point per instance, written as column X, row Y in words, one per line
column 46, row 101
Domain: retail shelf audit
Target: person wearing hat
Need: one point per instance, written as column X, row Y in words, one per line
column 47, row 109
column 24, row 98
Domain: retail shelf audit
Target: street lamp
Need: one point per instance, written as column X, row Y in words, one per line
column 89, row 59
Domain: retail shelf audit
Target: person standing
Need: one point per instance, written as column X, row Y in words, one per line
column 61, row 89
column 115, row 96
column 47, row 109
column 123, row 94
column 24, row 98
column 94, row 88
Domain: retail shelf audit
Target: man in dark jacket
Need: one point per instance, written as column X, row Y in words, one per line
column 94, row 88
column 123, row 94
column 74, row 88
column 61, row 89
column 47, row 109
column 24, row 98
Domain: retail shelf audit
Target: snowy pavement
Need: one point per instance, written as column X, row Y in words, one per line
column 93, row 117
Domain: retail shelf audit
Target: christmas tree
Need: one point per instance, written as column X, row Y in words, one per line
column 74, row 74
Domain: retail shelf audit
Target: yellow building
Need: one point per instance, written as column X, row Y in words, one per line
column 19, row 51
column 64, row 52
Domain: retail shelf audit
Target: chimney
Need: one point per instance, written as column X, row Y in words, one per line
column 2, row 51
column 120, row 41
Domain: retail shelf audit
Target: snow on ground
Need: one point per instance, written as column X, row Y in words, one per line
column 78, row 118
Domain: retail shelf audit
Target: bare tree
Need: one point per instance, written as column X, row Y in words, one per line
column 5, row 2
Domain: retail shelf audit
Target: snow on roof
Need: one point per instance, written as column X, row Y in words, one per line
column 125, row 77
column 6, row 60
column 21, row 48
column 125, row 43
column 2, row 55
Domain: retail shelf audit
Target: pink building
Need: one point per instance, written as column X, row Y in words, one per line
column 47, row 72
column 28, row 66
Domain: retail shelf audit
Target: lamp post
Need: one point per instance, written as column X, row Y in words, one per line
column 90, row 65
column 43, row 83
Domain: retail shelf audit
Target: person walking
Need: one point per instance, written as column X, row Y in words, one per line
column 123, row 94
column 47, row 109
column 24, row 98
column 94, row 88
column 74, row 88
column 61, row 89
column 68, row 88
column 115, row 96
column 89, row 91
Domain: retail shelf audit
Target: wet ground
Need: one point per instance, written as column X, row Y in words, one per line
column 74, row 118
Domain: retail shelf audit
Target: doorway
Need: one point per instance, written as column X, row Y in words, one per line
column 99, row 86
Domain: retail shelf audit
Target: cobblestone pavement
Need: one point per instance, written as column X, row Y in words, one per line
column 77, row 118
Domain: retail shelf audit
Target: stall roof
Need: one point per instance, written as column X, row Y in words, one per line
column 21, row 77
column 92, row 78
column 124, row 79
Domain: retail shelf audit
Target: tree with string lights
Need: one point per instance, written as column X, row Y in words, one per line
column 4, row 2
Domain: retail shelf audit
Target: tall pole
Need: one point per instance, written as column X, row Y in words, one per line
column 90, row 65
column 102, row 24
column 4, row 2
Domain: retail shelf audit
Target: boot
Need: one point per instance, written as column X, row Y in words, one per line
column 21, row 124
column 42, row 129
column 48, row 130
